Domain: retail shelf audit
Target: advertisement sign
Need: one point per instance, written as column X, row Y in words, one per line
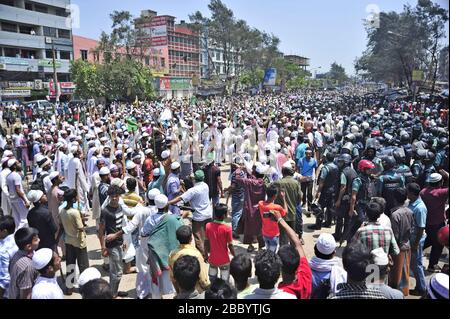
column 168, row 84
column 14, row 61
column 270, row 77
column 49, row 63
column 159, row 31
column 159, row 61
column 38, row 85
column 15, row 93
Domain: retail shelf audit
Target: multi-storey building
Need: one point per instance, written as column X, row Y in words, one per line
column 175, row 50
column 31, row 32
column 301, row 61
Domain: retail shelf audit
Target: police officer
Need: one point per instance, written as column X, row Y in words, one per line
column 360, row 198
column 402, row 169
column 388, row 182
column 347, row 175
column 441, row 161
column 423, row 166
column 327, row 193
column 405, row 142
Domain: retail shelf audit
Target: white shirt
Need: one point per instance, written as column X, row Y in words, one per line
column 198, row 196
column 274, row 293
column 46, row 288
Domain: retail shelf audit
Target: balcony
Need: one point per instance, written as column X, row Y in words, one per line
column 32, row 65
column 32, row 17
column 22, row 40
column 54, row 3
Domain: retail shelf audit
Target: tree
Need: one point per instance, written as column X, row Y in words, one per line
column 85, row 76
column 337, row 73
column 443, row 64
column 404, row 42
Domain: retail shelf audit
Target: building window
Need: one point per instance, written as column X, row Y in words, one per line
column 11, row 52
column 28, row 54
column 50, row 32
column 163, row 62
column 218, row 56
column 40, row 8
column 7, row 2
column 60, row 12
column 9, row 27
column 28, row 6
column 64, row 34
column 84, row 55
column 147, row 60
column 64, row 55
column 25, row 29
column 48, row 54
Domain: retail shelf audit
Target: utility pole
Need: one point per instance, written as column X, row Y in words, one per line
column 55, row 76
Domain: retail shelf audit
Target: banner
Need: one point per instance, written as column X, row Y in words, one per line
column 16, row 93
column 270, row 77
column 49, row 63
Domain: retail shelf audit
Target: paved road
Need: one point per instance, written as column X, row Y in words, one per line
column 128, row 281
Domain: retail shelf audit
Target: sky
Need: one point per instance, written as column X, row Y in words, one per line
column 325, row 31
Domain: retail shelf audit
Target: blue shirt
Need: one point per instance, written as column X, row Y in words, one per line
column 420, row 212
column 306, row 167
column 8, row 248
column 173, row 184
column 300, row 151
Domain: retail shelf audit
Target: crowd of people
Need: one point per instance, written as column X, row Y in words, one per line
column 150, row 175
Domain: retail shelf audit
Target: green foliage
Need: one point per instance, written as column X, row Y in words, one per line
column 405, row 41
column 337, row 73
column 86, row 77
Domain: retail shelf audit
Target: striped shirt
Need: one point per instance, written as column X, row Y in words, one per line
column 357, row 291
column 22, row 273
column 113, row 219
column 373, row 236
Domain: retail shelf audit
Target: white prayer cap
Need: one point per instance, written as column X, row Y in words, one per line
column 11, row 162
column 42, row 258
column 91, row 143
column 148, row 151
column 287, row 164
column 247, row 157
column 89, row 136
column 45, row 163
column 8, row 153
column 118, row 152
column 434, row 178
column 379, row 256
column 129, row 150
column 103, row 139
column 326, row 244
column 278, row 146
column 34, row 195
column 260, row 168
column 165, row 154
column 5, row 159
column 156, row 172
column 117, row 182
column 263, row 159
column 438, row 288
column 53, row 175
column 113, row 167
column 88, row 275
column 130, row 165
column 174, row 166
column 153, row 193
column 73, row 149
column 39, row 157
column 145, row 134
column 104, row 171
column 161, row 201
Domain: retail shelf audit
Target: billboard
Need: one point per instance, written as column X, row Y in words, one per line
column 159, row 60
column 167, row 84
column 270, row 77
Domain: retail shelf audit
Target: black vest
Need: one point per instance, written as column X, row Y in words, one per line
column 331, row 182
column 405, row 171
column 390, row 183
column 363, row 196
column 350, row 174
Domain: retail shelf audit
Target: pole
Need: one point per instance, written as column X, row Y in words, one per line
column 55, row 76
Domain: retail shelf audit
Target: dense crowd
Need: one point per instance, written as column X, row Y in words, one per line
column 150, row 175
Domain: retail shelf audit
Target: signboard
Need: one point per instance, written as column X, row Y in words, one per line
column 270, row 77
column 38, row 85
column 168, row 84
column 417, row 75
column 14, row 61
column 49, row 63
column 15, row 93
column 159, row 31
column 159, row 61
column 20, row 85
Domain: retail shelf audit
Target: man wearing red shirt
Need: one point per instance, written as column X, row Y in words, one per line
column 295, row 270
column 220, row 237
column 434, row 196
column 147, row 167
column 270, row 229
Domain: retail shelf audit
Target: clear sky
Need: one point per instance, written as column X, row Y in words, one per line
column 322, row 30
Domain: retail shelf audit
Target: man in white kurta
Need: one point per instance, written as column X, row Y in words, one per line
column 6, row 206
column 80, row 183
